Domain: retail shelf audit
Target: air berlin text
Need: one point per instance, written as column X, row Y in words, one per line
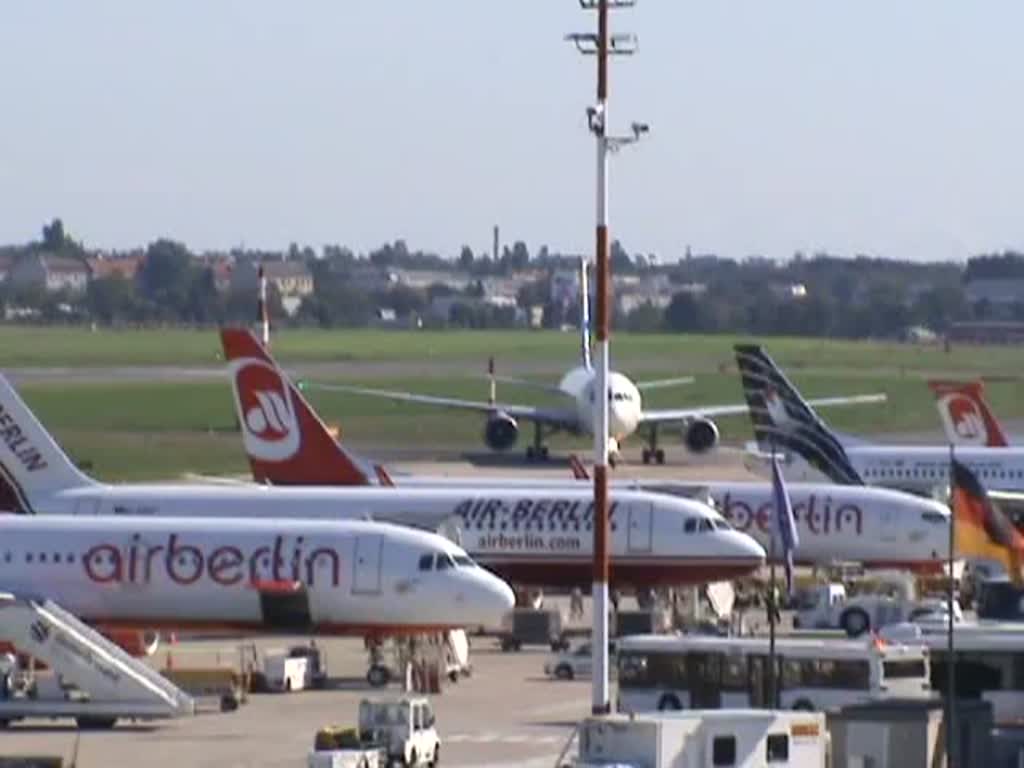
column 224, row 564
column 813, row 515
column 15, row 439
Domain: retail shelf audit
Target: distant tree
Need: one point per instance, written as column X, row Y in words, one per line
column 466, row 258
column 684, row 314
column 621, row 261
column 54, row 237
column 645, row 319
column 166, row 274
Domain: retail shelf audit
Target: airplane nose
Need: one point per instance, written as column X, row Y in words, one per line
column 746, row 548
column 486, row 599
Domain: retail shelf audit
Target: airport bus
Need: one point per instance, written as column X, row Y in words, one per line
column 707, row 672
column 989, row 662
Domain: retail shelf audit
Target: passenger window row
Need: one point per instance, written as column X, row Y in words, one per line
column 481, row 526
column 43, row 557
column 941, row 474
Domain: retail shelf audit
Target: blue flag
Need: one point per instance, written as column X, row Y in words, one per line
column 785, row 523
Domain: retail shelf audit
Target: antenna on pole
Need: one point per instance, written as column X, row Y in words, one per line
column 602, row 44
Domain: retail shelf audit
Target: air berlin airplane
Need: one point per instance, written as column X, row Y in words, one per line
column 877, row 527
column 530, row 535
column 327, row 577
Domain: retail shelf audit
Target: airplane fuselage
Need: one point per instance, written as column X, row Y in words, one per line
column 923, row 468
column 879, row 527
column 527, row 535
column 625, row 406
column 179, row 573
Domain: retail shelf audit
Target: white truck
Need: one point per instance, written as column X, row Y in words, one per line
column 389, row 731
column 829, row 607
column 694, row 739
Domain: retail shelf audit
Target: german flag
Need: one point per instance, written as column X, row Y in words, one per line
column 982, row 530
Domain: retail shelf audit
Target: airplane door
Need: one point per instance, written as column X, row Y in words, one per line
column 889, row 528
column 366, row 568
column 640, row 521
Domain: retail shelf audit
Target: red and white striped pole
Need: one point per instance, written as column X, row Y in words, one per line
column 604, row 45
column 261, row 310
column 600, row 695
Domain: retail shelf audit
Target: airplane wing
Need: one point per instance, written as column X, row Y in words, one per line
column 543, row 415
column 645, row 386
column 660, row 416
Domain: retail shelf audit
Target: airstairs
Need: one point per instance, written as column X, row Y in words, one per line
column 96, row 680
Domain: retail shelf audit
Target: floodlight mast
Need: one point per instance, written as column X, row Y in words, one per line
column 602, row 45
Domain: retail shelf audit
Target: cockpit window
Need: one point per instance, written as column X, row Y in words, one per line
column 705, row 525
column 690, row 525
column 722, row 525
column 426, row 562
column 936, row 518
column 464, row 561
column 444, row 561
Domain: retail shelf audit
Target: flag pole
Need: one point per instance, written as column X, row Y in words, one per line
column 772, row 682
column 950, row 657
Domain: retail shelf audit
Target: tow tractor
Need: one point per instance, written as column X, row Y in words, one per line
column 828, row 607
column 390, row 732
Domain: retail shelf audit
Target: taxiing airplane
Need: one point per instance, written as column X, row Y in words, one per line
column 626, row 412
column 874, row 526
column 530, row 535
column 285, row 575
column 783, row 420
column 966, row 415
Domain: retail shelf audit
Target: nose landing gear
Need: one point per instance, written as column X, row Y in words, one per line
column 652, row 453
column 538, row 451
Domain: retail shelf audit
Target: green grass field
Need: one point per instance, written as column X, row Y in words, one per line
column 28, row 346
column 153, row 429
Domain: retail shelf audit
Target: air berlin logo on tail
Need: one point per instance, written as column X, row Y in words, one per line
column 960, row 415
column 266, row 411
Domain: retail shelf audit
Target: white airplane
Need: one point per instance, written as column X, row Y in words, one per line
column 783, row 419
column 626, row 412
column 878, row 527
column 329, row 577
column 534, row 536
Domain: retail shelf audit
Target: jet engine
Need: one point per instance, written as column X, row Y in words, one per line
column 135, row 642
column 700, row 436
column 501, row 431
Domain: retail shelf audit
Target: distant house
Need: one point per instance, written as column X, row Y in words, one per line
column 1001, row 295
column 49, row 272
column 125, row 267
column 290, row 278
column 6, row 262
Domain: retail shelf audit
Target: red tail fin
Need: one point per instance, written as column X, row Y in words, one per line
column 286, row 441
column 966, row 415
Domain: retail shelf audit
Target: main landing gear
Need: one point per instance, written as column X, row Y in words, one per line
column 538, row 451
column 652, row 453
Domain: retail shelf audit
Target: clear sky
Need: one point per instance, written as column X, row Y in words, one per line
column 885, row 126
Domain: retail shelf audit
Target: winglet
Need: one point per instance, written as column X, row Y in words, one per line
column 966, row 415
column 285, row 440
